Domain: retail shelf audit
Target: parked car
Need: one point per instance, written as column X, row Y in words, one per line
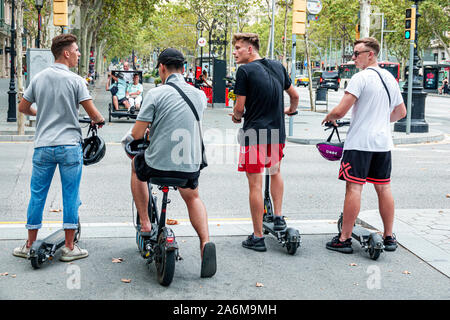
column 329, row 80
column 302, row 80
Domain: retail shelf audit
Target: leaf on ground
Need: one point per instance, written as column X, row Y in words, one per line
column 125, row 280
column 171, row 222
column 259, row 285
column 55, row 210
column 353, row 264
column 117, row 260
column 448, row 195
column 4, row 274
column 406, row 272
column 13, row 276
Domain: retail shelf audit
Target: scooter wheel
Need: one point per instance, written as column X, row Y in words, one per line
column 37, row 254
column 292, row 240
column 165, row 262
column 375, row 246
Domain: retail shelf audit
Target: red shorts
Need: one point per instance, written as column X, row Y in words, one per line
column 254, row 158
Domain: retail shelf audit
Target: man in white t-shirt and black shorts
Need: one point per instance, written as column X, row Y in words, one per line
column 376, row 99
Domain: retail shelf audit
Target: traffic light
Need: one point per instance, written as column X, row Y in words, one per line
column 410, row 24
column 60, row 13
column 358, row 30
column 299, row 17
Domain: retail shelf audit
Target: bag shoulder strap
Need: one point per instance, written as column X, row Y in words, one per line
column 185, row 97
column 384, row 84
column 270, row 70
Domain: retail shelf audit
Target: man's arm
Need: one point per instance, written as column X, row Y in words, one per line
column 92, row 111
column 139, row 128
column 26, row 108
column 341, row 109
column 294, row 98
column 238, row 110
column 398, row 113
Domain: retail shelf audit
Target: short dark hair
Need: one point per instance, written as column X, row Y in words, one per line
column 251, row 38
column 369, row 42
column 60, row 42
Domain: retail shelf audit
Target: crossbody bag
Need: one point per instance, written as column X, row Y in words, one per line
column 204, row 162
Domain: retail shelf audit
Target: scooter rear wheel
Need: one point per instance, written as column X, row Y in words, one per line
column 375, row 246
column 165, row 262
column 292, row 240
column 37, row 254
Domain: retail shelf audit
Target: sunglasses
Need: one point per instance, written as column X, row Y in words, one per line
column 357, row 53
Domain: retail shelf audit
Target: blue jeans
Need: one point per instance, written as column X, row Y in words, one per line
column 70, row 162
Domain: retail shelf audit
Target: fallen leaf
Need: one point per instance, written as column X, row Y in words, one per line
column 218, row 224
column 406, row 272
column 117, row 260
column 125, row 280
column 4, row 274
column 448, row 195
column 171, row 222
column 55, row 210
column 13, row 276
column 259, row 285
column 353, row 264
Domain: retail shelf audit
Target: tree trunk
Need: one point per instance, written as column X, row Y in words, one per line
column 285, row 34
column 19, row 74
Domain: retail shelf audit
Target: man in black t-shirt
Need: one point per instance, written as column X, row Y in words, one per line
column 259, row 90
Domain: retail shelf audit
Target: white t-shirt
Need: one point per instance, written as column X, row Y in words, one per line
column 370, row 128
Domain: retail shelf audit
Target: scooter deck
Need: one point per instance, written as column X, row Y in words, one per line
column 269, row 226
column 361, row 233
column 56, row 238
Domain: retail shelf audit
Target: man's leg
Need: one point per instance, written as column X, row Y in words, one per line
column 197, row 214
column 352, row 205
column 256, row 202
column 276, row 188
column 115, row 103
column 386, row 207
column 139, row 189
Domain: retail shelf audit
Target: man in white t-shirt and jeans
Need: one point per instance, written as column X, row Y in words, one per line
column 367, row 156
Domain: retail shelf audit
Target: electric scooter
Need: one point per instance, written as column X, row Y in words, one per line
column 371, row 242
column 45, row 250
column 289, row 237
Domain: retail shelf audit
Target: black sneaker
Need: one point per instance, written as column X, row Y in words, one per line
column 279, row 224
column 341, row 246
column 390, row 243
column 253, row 243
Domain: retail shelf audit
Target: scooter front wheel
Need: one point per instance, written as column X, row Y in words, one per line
column 165, row 262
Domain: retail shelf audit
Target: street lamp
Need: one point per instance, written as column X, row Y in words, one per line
column 39, row 4
column 12, row 87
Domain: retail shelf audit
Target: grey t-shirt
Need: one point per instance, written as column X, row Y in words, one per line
column 175, row 143
column 57, row 92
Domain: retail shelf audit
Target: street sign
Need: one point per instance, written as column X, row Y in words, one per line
column 201, row 42
column 314, row 6
column 313, row 17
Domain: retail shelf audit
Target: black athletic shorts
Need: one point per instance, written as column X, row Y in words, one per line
column 144, row 173
column 365, row 166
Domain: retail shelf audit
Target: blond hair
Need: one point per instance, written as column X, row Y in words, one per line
column 250, row 38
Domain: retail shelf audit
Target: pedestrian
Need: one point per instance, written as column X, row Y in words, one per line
column 57, row 93
column 375, row 97
column 259, row 89
column 169, row 117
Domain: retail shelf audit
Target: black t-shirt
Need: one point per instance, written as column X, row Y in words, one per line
column 264, row 102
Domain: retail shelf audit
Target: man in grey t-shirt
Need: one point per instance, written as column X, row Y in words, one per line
column 57, row 93
column 175, row 149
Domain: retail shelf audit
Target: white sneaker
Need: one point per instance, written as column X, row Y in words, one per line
column 71, row 255
column 22, row 252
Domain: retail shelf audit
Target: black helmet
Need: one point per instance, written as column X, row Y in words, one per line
column 94, row 147
column 133, row 147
